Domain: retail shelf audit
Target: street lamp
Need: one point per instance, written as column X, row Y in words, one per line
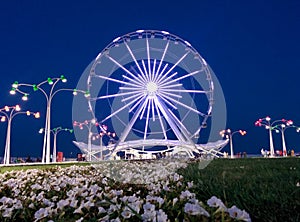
column 229, row 134
column 49, row 94
column 266, row 122
column 89, row 125
column 9, row 112
column 100, row 136
column 55, row 131
column 281, row 128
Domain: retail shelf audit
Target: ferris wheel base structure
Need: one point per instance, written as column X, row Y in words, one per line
column 136, row 150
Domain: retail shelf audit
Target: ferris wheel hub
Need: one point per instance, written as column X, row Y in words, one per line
column 151, row 88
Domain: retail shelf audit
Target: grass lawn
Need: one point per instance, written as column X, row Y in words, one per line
column 268, row 189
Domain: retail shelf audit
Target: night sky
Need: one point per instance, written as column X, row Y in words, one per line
column 252, row 46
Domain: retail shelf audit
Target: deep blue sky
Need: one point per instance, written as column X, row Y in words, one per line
column 253, row 48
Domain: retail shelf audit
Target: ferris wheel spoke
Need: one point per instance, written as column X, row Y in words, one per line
column 171, row 94
column 135, row 61
column 166, row 79
column 118, row 81
column 145, row 69
column 185, row 132
column 153, row 112
column 153, row 71
column 142, row 78
column 169, row 120
column 160, row 118
column 131, row 88
column 116, row 95
column 148, row 56
column 176, row 64
column 185, row 90
column 119, row 110
column 132, row 121
column 168, row 102
column 144, row 107
column 131, row 80
column 162, row 58
column 147, row 120
column 183, row 105
column 182, row 77
column 122, row 67
column 160, row 74
column 170, row 86
column 140, row 99
column 133, row 96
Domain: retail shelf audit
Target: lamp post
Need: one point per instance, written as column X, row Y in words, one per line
column 266, row 122
column 49, row 94
column 281, row 128
column 89, row 125
column 100, row 136
column 229, row 134
column 9, row 112
column 55, row 131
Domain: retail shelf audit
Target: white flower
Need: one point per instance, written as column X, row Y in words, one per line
column 56, row 188
column 126, row 213
column 94, row 189
column 70, row 193
column 17, row 192
column 148, row 207
column 195, row 209
column 79, row 220
column 175, row 200
column 48, row 202
column 176, row 177
column 136, row 206
column 101, row 210
column 7, row 212
column 40, row 196
column 41, row 213
column 166, row 188
column 186, row 195
column 54, row 198
column 104, row 181
column 298, row 184
column 18, row 205
column 116, row 192
column 161, row 216
column 88, row 204
column 112, row 208
column 62, row 203
column 84, row 194
column 6, row 201
column 159, row 200
column 238, row 214
column 78, row 210
column 73, row 203
column 190, row 184
column 36, row 186
column 215, row 202
column 149, row 216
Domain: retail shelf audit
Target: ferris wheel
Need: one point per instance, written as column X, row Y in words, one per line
column 153, row 89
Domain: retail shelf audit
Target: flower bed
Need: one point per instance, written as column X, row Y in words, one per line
column 109, row 191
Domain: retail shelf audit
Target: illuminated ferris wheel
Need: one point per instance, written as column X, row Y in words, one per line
column 153, row 89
